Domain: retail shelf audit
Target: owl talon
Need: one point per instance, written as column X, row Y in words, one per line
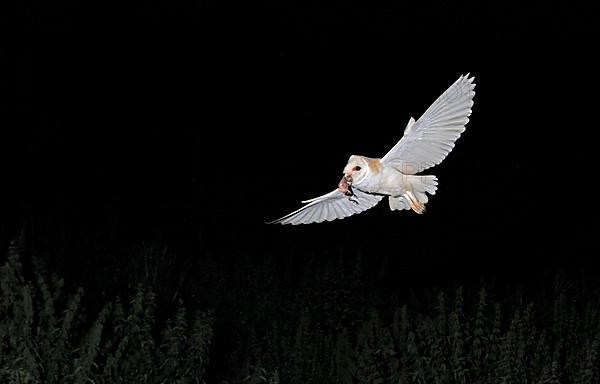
column 350, row 195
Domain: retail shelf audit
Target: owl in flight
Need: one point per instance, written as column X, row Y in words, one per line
column 366, row 181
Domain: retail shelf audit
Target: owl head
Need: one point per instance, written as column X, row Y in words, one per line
column 357, row 169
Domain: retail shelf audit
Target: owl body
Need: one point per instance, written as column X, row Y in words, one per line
column 375, row 177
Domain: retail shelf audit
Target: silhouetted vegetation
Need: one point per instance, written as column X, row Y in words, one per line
column 47, row 337
column 265, row 323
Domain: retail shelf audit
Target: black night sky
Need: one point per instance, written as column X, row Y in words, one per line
column 189, row 124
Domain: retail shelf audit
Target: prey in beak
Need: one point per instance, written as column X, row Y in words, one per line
column 345, row 185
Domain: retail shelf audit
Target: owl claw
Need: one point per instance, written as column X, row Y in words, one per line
column 350, row 194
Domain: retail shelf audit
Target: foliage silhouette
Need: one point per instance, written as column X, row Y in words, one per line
column 323, row 324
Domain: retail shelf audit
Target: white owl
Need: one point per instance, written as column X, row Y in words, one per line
column 366, row 181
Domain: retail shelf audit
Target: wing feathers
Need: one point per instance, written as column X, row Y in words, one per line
column 410, row 124
column 428, row 141
column 334, row 205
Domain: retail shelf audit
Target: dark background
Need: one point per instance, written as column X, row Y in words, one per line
column 190, row 124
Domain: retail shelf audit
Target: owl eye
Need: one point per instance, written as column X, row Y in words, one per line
column 357, row 168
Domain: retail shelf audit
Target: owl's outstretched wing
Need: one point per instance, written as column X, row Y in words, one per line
column 428, row 141
column 334, row 205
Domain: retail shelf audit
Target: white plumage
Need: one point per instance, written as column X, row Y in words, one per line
column 366, row 181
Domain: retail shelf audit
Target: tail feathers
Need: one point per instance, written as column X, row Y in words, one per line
column 422, row 184
column 416, row 197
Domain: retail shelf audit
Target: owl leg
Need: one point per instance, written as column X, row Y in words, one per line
column 414, row 203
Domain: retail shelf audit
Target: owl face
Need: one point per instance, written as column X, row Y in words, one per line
column 356, row 170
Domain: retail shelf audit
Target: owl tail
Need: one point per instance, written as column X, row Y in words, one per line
column 416, row 197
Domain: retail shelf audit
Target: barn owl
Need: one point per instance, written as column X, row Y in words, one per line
column 366, row 181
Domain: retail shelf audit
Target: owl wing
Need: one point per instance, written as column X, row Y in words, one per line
column 428, row 141
column 334, row 205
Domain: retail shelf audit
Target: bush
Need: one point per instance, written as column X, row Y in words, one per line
column 46, row 336
column 323, row 323
column 457, row 338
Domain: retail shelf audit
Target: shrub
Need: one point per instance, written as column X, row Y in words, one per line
column 46, row 336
